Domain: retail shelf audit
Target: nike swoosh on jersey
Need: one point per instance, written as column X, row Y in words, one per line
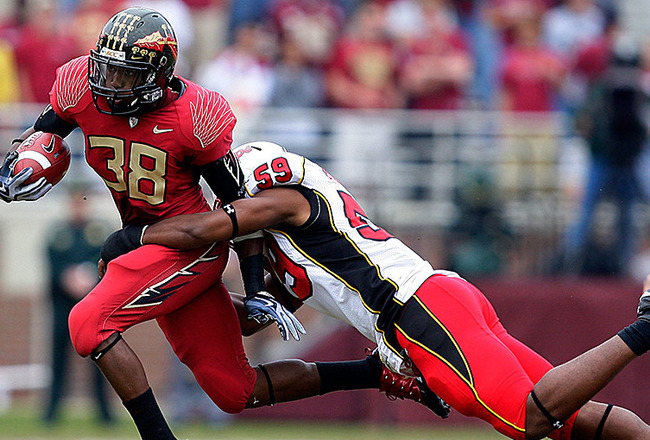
column 157, row 130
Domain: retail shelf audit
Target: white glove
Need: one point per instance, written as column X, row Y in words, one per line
column 12, row 188
column 262, row 307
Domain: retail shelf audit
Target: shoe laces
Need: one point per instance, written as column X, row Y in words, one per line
column 396, row 386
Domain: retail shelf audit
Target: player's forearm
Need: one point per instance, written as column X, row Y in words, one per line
column 195, row 230
column 187, row 231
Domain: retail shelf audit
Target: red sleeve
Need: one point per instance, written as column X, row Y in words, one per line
column 212, row 124
column 69, row 87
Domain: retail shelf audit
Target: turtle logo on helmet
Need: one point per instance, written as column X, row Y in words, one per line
column 133, row 62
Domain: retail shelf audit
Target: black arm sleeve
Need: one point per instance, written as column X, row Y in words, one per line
column 225, row 178
column 50, row 122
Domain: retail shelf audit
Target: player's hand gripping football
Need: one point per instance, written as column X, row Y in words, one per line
column 12, row 188
column 262, row 307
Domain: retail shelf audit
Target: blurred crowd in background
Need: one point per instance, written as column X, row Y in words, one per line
column 519, row 55
column 571, row 57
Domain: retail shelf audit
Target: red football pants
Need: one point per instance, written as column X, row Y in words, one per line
column 455, row 339
column 183, row 291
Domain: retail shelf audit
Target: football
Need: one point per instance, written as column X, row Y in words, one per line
column 47, row 154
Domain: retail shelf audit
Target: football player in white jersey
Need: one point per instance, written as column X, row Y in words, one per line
column 324, row 251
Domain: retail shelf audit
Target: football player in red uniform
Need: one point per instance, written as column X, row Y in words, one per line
column 150, row 136
column 325, row 251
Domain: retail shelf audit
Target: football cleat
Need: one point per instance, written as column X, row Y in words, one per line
column 643, row 311
column 396, row 386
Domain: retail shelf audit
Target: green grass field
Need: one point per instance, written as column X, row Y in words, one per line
column 24, row 424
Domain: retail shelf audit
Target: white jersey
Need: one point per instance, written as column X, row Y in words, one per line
column 339, row 262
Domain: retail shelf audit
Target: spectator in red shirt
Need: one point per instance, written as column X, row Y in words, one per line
column 532, row 74
column 363, row 70
column 42, row 46
column 438, row 65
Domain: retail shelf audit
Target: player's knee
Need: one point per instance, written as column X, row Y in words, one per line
column 230, row 394
column 537, row 427
column 541, row 424
column 83, row 334
column 230, row 403
column 231, row 407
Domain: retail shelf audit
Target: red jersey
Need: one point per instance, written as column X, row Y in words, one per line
column 149, row 161
column 531, row 76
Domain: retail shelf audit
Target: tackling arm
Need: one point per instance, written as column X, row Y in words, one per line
column 269, row 208
column 241, row 217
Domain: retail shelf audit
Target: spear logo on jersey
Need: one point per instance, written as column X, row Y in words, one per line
column 156, row 294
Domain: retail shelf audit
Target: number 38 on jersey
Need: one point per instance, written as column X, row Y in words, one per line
column 140, row 173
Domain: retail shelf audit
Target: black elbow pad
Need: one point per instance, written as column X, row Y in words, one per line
column 225, row 178
column 50, row 122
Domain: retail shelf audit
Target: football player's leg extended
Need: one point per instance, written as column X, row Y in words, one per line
column 284, row 381
column 113, row 357
column 287, row 380
column 569, row 387
column 452, row 358
column 127, row 295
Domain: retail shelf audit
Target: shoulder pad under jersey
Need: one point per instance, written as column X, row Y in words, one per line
column 211, row 114
column 71, row 83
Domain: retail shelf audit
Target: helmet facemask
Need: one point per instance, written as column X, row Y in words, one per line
column 126, row 89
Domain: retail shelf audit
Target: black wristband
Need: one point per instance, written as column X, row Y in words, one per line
column 230, row 210
column 252, row 272
column 637, row 336
column 122, row 241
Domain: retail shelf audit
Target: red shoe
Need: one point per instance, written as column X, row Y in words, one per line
column 396, row 386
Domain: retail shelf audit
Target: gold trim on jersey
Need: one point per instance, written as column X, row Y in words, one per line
column 72, row 83
column 211, row 115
